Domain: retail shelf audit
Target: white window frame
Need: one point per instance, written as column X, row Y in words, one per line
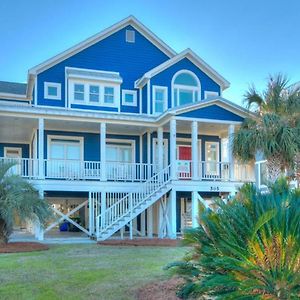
column 18, row 149
column 121, row 143
column 165, row 100
column 130, row 92
column 66, row 138
column 87, row 84
column 179, row 87
column 54, row 85
column 218, row 156
column 127, row 34
column 210, row 94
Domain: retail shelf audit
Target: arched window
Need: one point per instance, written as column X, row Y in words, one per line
column 185, row 88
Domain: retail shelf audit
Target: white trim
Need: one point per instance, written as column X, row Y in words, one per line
column 148, row 97
column 195, row 59
column 141, row 100
column 54, row 85
column 130, row 92
column 86, row 101
column 185, row 87
column 102, row 35
column 66, row 138
column 165, row 100
column 19, row 149
column 119, row 142
column 209, row 94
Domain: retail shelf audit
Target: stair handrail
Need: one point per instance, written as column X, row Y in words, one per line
column 132, row 199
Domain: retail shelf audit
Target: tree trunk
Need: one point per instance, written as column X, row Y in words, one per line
column 4, row 232
column 274, row 166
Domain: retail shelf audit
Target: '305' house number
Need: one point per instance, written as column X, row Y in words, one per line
column 214, row 188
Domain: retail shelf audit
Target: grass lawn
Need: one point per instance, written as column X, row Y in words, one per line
column 83, row 271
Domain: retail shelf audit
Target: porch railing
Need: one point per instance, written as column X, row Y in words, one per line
column 130, row 172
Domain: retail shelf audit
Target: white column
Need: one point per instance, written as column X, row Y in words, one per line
column 41, row 148
column 160, row 148
column 172, row 214
column 173, row 148
column 143, row 221
column 230, row 151
column 149, row 153
column 91, row 214
column 103, row 150
column 195, row 208
column 195, row 155
column 160, row 218
column 150, row 221
column 103, row 208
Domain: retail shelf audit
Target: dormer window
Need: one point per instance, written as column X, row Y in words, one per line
column 93, row 87
column 185, row 87
column 130, row 36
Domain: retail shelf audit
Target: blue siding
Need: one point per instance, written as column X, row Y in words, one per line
column 165, row 78
column 91, row 143
column 214, row 112
column 144, row 99
column 25, row 149
column 132, row 60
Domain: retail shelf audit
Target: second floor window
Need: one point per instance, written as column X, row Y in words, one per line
column 93, row 93
column 159, row 99
column 186, row 88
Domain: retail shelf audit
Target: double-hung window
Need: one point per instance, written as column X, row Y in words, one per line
column 109, row 94
column 160, row 98
column 94, row 93
column 78, row 92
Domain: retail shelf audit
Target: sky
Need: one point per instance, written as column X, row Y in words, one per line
column 244, row 40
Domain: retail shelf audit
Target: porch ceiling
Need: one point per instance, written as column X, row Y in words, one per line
column 16, row 130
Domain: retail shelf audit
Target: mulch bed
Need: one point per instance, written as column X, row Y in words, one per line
column 17, row 247
column 142, row 242
column 162, row 290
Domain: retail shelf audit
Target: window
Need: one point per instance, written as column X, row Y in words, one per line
column 78, row 92
column 65, row 149
column 186, row 88
column 160, row 97
column 122, row 152
column 212, row 158
column 109, row 95
column 129, row 98
column 210, row 94
column 52, row 90
column 94, row 93
column 130, row 36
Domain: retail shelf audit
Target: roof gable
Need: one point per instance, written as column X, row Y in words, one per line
column 131, row 20
column 195, row 59
column 214, row 112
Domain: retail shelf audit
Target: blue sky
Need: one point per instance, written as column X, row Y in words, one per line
column 243, row 40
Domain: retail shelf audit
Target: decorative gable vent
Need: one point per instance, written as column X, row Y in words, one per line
column 130, row 36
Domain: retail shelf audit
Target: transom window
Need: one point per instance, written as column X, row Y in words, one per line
column 186, row 88
column 129, row 98
column 52, row 90
column 160, row 98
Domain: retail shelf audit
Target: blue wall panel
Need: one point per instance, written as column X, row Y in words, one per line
column 165, row 78
column 92, row 143
column 213, row 112
column 25, row 149
column 132, row 60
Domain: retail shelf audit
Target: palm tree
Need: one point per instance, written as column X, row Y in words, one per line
column 246, row 249
column 18, row 198
column 275, row 129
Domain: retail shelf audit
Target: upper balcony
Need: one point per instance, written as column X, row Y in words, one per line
column 75, row 170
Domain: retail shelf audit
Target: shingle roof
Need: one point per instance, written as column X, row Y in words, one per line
column 13, row 88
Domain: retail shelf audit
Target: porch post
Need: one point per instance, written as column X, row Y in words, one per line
column 160, row 148
column 143, row 227
column 172, row 214
column 194, row 127
column 195, row 208
column 173, row 148
column 149, row 154
column 230, row 152
column 103, row 151
column 103, row 209
column 41, row 148
column 150, row 221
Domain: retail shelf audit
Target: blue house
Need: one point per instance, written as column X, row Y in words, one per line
column 122, row 135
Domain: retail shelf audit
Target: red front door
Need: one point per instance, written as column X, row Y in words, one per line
column 184, row 168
